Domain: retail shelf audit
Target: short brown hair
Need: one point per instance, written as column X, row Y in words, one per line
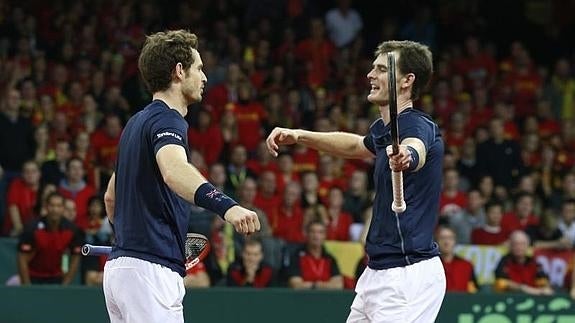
column 414, row 58
column 160, row 54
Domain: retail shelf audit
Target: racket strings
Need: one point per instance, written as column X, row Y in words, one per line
column 194, row 247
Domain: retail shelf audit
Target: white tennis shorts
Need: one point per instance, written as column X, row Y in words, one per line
column 412, row 293
column 139, row 291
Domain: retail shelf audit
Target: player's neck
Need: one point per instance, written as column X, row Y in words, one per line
column 402, row 104
column 173, row 99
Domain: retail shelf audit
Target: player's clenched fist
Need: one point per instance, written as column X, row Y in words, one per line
column 243, row 220
column 400, row 161
column 280, row 136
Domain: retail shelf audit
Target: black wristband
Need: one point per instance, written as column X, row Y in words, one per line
column 208, row 197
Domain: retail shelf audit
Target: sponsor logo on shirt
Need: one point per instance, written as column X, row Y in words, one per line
column 160, row 135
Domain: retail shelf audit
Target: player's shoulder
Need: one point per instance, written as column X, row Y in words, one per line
column 416, row 114
column 157, row 114
column 378, row 126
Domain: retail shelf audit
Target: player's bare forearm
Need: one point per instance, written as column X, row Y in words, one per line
column 180, row 176
column 185, row 180
column 23, row 269
column 341, row 144
column 72, row 270
column 110, row 198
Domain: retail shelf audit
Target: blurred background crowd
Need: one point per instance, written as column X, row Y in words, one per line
column 503, row 94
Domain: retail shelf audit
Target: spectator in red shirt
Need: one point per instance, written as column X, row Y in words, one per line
column 328, row 177
column 263, row 160
column 222, row 95
column 525, row 83
column 547, row 124
column 313, row 208
column 305, row 159
column 522, row 215
column 452, row 200
column 60, row 128
column 250, row 117
column 84, row 151
column 43, row 243
column 206, row 137
column 267, row 198
column 105, row 145
column 250, row 271
column 287, row 222
column 520, row 273
column 312, row 267
column 459, row 272
column 286, row 172
column 315, row 53
column 75, row 188
column 21, row 199
column 482, row 110
column 458, row 131
column 444, row 103
column 338, row 221
column 491, row 233
column 478, row 66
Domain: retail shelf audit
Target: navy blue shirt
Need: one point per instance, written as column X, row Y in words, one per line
column 397, row 240
column 150, row 220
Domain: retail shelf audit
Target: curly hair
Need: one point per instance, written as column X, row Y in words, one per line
column 160, row 54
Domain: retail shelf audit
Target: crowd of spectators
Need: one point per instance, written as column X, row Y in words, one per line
column 69, row 79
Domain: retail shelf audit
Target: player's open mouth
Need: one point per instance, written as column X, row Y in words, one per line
column 374, row 88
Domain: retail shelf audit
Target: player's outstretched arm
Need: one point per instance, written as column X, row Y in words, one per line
column 341, row 144
column 186, row 181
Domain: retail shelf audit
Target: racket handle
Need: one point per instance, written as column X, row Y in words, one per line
column 91, row 250
column 398, row 205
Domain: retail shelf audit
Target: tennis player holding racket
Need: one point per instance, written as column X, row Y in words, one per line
column 404, row 280
column 148, row 197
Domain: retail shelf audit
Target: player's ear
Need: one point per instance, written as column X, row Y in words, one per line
column 179, row 73
column 407, row 80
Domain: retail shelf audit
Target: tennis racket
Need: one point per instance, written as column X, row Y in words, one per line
column 398, row 205
column 197, row 247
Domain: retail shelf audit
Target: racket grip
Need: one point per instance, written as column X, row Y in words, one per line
column 398, row 205
column 91, row 250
